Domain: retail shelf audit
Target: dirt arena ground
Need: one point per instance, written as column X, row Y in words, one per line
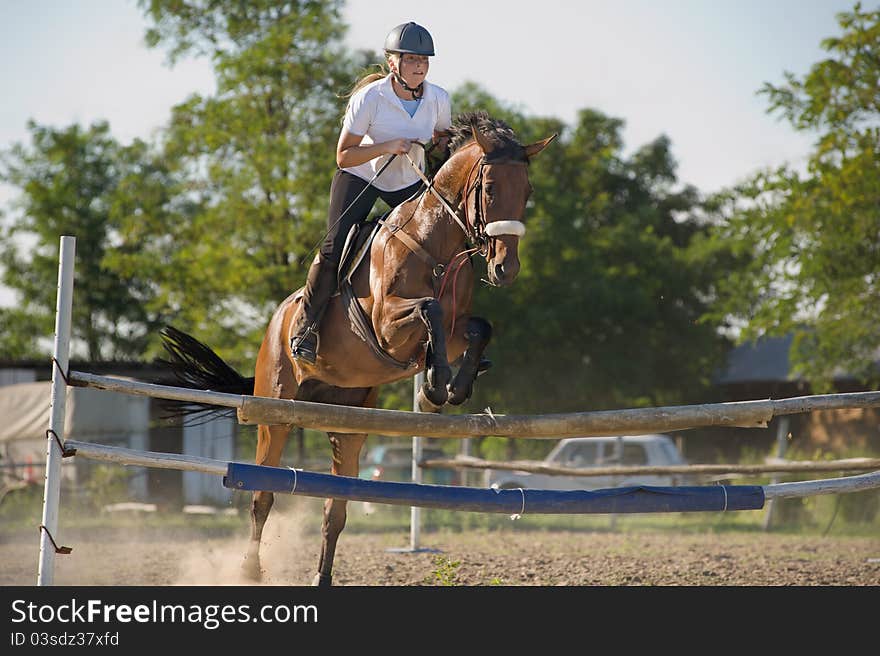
column 153, row 556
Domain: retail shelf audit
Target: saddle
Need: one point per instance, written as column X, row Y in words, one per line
column 357, row 246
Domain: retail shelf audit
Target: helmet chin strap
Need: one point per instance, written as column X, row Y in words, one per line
column 416, row 92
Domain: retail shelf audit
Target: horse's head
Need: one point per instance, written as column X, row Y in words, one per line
column 497, row 189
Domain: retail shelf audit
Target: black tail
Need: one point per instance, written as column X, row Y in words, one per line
column 195, row 366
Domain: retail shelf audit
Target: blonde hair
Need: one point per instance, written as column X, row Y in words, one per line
column 383, row 71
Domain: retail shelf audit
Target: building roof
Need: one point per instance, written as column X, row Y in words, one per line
column 765, row 360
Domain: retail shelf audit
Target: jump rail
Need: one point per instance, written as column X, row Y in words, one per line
column 536, row 467
column 245, row 476
column 346, row 419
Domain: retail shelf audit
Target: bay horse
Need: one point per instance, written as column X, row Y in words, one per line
column 404, row 308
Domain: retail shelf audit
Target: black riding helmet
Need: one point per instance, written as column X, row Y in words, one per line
column 410, row 38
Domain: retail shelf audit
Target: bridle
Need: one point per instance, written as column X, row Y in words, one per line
column 478, row 232
column 483, row 233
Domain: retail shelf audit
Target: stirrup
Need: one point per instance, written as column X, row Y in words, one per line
column 305, row 346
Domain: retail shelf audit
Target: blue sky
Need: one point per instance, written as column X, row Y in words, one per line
column 685, row 68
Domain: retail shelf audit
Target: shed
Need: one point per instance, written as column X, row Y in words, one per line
column 109, row 418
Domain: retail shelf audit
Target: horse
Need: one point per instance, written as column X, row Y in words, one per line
column 403, row 307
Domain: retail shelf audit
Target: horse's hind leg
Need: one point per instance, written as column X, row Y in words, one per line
column 270, row 444
column 346, row 451
column 478, row 333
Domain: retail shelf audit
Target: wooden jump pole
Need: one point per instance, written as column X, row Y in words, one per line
column 849, row 464
column 346, row 419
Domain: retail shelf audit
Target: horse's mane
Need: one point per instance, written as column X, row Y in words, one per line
column 494, row 129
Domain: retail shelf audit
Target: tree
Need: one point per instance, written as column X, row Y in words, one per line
column 258, row 156
column 71, row 181
column 807, row 247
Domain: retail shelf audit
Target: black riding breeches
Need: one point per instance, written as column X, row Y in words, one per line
column 343, row 190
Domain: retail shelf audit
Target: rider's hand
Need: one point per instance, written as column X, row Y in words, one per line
column 441, row 138
column 398, row 146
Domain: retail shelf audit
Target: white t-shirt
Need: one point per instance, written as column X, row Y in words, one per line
column 375, row 112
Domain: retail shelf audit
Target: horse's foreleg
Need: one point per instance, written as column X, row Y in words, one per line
column 478, row 333
column 437, row 370
column 270, row 444
column 346, row 451
column 399, row 324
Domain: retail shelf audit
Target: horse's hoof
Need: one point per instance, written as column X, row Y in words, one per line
column 323, row 580
column 459, row 396
column 436, row 381
column 425, row 404
column 438, row 377
column 250, row 569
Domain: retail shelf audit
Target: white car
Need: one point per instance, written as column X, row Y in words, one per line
column 587, row 452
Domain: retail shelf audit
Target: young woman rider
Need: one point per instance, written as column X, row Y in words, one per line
column 386, row 115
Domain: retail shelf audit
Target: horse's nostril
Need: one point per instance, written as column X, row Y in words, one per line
column 499, row 271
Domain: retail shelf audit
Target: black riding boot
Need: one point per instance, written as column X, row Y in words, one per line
column 320, row 285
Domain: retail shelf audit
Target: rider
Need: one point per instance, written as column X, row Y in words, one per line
column 386, row 115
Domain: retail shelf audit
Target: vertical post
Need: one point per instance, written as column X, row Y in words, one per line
column 415, row 522
column 61, row 358
column 466, row 452
column 781, row 447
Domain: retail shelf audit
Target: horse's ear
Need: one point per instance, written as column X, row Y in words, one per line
column 485, row 145
column 538, row 146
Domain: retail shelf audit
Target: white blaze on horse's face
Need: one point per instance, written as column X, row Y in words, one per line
column 506, row 191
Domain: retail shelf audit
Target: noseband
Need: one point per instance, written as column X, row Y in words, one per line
column 482, row 233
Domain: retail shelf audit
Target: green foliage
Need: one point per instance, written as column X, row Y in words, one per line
column 860, row 507
column 79, row 182
column 21, row 507
column 21, row 330
column 258, row 156
column 805, row 248
column 397, row 396
column 612, row 281
column 105, row 485
column 445, row 570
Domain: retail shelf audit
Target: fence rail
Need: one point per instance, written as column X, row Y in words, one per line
column 346, row 419
column 388, row 492
column 536, row 467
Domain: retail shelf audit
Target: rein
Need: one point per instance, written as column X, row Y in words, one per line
column 429, row 184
